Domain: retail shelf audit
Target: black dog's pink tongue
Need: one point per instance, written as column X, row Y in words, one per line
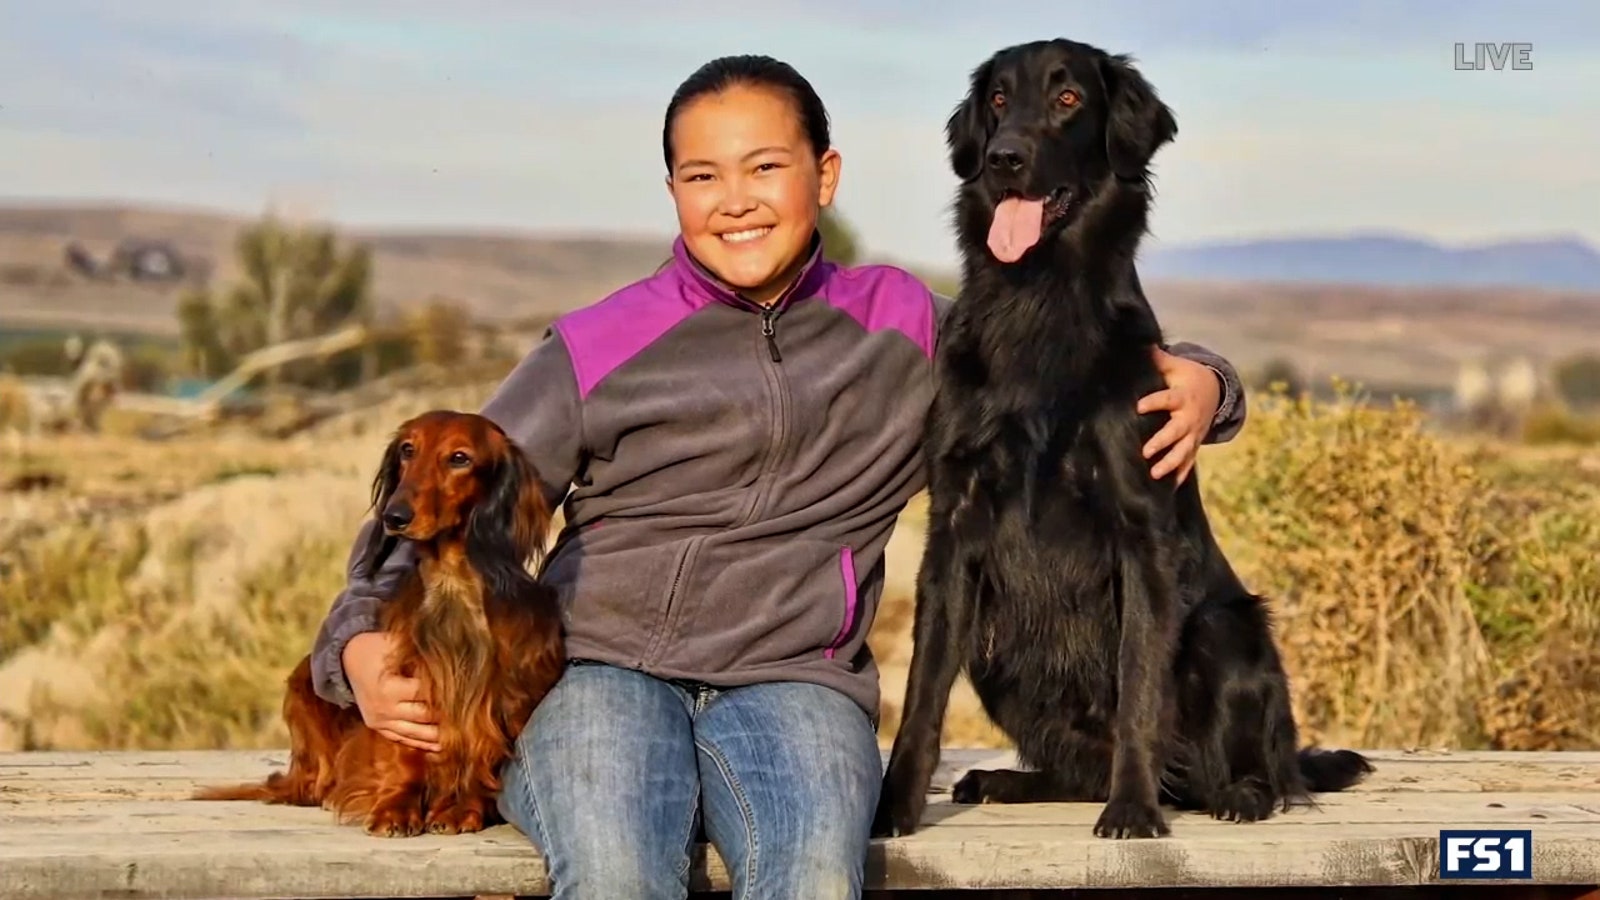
column 1016, row 227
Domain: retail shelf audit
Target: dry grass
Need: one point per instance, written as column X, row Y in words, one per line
column 1366, row 534
column 1427, row 591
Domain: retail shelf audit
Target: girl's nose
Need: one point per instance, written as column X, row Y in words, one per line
column 736, row 200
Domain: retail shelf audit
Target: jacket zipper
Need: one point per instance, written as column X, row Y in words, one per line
column 769, row 331
column 780, row 412
column 769, row 317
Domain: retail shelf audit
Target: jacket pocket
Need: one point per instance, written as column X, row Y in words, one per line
column 847, row 573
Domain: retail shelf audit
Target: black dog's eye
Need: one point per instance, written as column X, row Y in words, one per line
column 460, row 460
column 1069, row 98
column 998, row 100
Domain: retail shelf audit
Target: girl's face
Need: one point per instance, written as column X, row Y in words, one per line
column 748, row 187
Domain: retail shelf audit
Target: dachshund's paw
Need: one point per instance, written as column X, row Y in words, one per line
column 396, row 820
column 455, row 820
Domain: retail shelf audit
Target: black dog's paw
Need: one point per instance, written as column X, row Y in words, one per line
column 1249, row 800
column 899, row 813
column 970, row 789
column 1131, row 818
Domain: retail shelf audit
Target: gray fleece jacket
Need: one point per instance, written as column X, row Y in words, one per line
column 731, row 474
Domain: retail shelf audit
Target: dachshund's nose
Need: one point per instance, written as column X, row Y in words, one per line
column 396, row 516
column 1006, row 155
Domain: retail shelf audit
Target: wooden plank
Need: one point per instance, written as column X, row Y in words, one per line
column 319, row 862
column 38, row 824
column 103, row 824
column 171, row 775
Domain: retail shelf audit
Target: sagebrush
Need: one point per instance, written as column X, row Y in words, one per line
column 1427, row 590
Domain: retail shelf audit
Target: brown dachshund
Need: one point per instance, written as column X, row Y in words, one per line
column 481, row 634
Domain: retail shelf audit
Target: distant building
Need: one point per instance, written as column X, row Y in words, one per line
column 1498, row 397
column 1474, row 386
column 1520, row 384
column 148, row 260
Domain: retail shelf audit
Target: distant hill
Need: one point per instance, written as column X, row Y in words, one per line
column 1366, row 308
column 1379, row 259
column 499, row 276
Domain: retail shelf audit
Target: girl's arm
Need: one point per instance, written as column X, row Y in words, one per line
column 1229, row 418
column 1231, row 407
column 539, row 408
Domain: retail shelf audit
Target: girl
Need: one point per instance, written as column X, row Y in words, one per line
column 739, row 431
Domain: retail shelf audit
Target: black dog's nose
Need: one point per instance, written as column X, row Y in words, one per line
column 396, row 516
column 1006, row 155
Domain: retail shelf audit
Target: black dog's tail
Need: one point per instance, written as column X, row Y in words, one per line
column 1332, row 770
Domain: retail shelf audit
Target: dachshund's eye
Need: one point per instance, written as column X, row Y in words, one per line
column 1069, row 98
column 998, row 100
column 460, row 460
column 407, row 450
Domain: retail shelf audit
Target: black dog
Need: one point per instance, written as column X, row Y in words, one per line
column 1098, row 620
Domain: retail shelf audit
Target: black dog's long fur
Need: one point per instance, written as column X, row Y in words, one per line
column 1098, row 620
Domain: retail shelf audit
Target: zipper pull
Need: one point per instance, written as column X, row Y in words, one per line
column 770, row 333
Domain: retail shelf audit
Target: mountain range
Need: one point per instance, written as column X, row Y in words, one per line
column 1558, row 263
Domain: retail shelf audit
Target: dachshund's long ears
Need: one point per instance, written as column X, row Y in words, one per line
column 512, row 520
column 380, row 545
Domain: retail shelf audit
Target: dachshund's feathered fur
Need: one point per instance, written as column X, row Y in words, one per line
column 481, row 634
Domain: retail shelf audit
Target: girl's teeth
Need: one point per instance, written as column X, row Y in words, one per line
column 750, row 235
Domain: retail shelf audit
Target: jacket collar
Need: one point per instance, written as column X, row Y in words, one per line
column 806, row 282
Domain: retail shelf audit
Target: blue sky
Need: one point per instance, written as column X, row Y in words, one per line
column 1295, row 116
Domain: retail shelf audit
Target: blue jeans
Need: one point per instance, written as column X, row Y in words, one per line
column 617, row 768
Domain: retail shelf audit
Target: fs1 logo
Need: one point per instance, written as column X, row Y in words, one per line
column 1489, row 853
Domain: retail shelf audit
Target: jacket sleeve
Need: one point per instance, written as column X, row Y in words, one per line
column 1231, row 408
column 539, row 407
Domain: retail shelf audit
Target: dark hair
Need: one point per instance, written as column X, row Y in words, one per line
column 754, row 71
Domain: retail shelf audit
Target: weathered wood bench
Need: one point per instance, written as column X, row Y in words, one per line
column 118, row 825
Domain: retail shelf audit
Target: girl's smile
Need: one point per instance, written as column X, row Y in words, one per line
column 746, row 236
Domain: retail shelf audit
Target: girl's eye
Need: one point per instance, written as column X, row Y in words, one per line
column 697, row 176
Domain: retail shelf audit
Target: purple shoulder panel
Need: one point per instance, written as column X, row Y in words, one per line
column 605, row 335
column 884, row 297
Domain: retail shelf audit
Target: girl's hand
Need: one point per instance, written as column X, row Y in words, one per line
column 1192, row 396
column 390, row 704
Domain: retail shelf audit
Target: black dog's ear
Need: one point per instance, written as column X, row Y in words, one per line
column 384, row 483
column 1138, row 123
column 966, row 133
